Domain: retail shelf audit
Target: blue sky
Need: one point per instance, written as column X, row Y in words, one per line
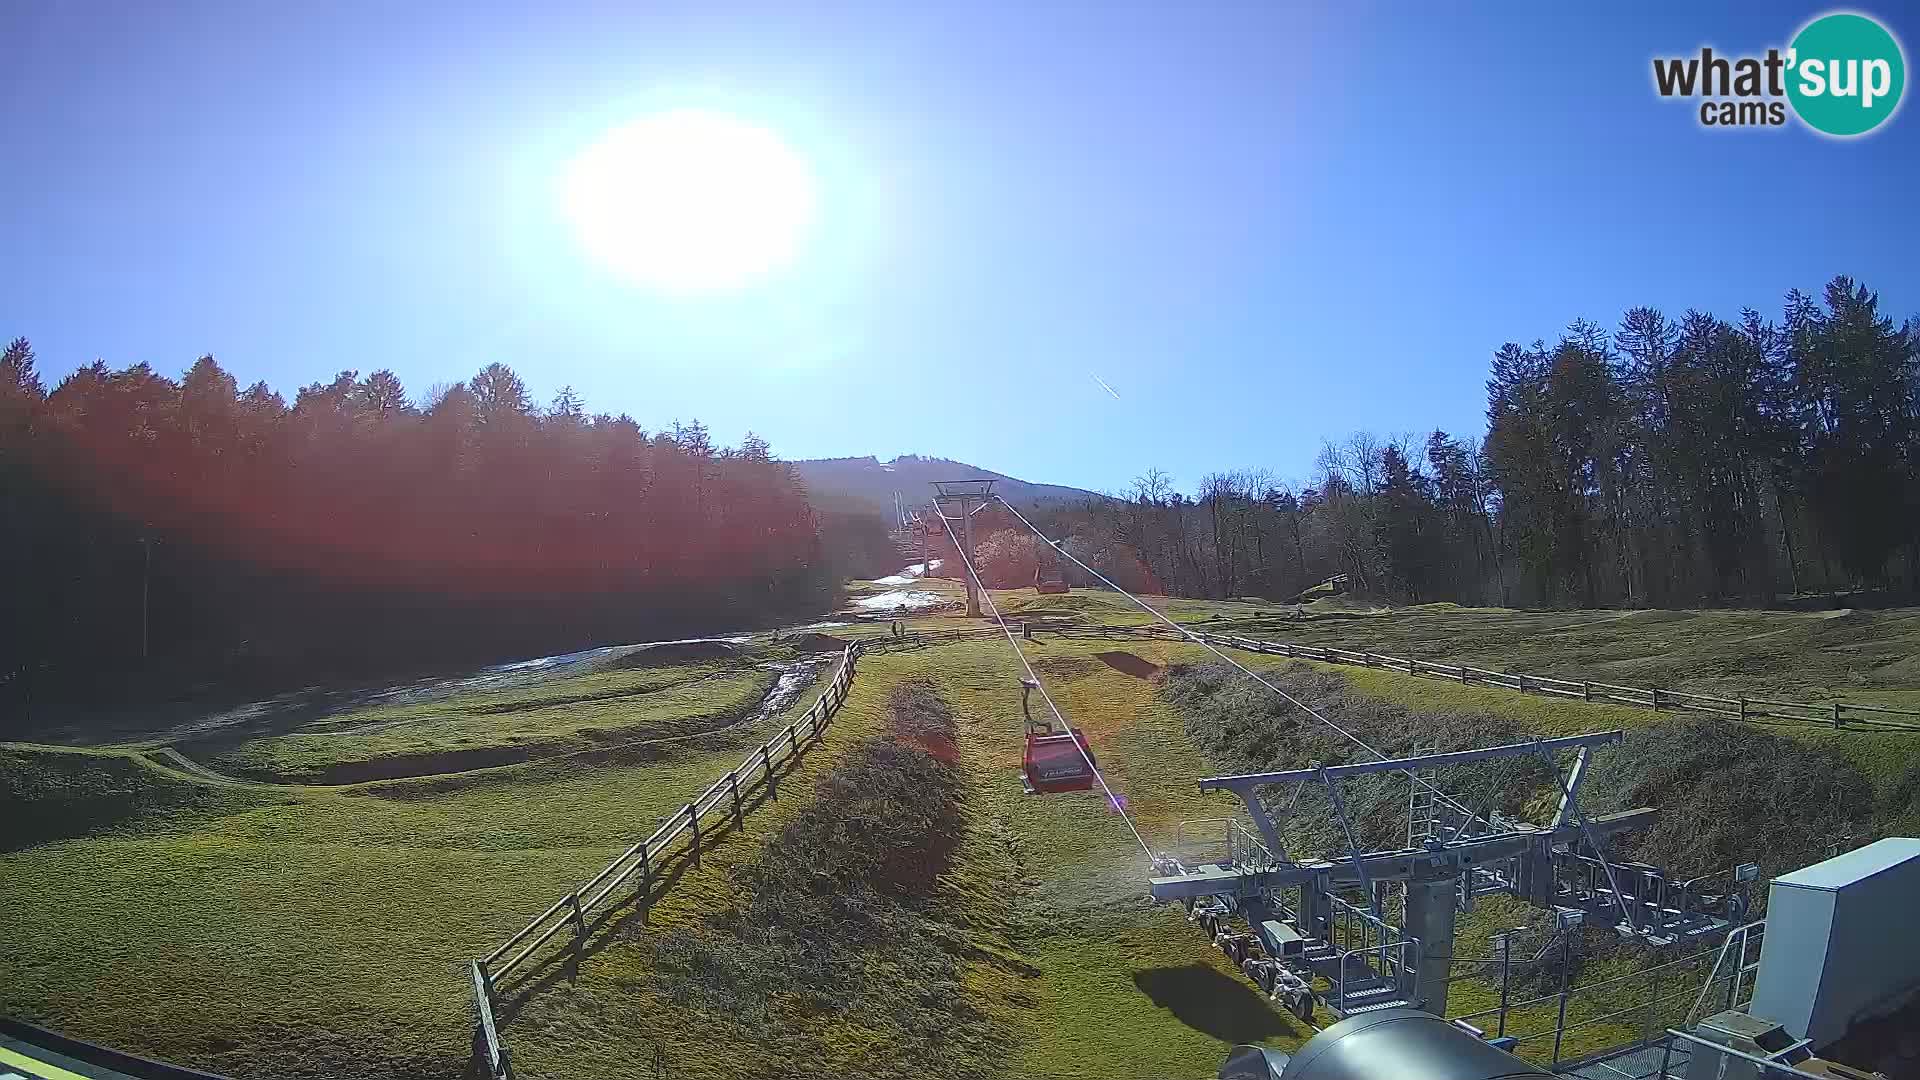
column 1260, row 224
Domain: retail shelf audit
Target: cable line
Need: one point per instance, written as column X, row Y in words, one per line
column 966, row 560
column 1245, row 670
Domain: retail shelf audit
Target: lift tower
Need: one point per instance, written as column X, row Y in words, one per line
column 966, row 498
column 1325, row 918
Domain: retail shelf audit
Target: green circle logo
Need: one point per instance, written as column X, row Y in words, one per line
column 1845, row 74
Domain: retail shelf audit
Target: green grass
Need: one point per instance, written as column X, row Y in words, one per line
column 475, row 730
column 1867, row 656
column 1729, row 793
column 1083, row 924
column 308, row 932
column 1066, row 958
column 848, row 934
column 58, row 795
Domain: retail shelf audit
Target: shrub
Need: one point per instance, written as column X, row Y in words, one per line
column 1244, row 727
column 836, row 922
column 1729, row 794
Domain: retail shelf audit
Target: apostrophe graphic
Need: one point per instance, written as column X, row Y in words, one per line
column 1846, row 74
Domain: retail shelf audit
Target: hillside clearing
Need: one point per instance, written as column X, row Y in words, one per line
column 320, row 931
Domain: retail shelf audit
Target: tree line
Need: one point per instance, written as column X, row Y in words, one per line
column 1666, row 462
column 192, row 526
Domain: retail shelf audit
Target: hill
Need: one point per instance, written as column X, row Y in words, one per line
column 869, row 483
column 270, row 908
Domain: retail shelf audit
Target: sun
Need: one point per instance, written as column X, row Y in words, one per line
column 689, row 200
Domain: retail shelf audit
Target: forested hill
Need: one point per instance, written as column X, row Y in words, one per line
column 225, row 533
column 1661, row 462
column 870, row 483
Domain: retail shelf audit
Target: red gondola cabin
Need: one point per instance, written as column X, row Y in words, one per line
column 1053, row 761
column 1049, row 579
column 1054, row 764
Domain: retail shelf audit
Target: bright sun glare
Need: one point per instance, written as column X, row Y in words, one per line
column 690, row 201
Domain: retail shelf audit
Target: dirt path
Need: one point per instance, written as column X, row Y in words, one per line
column 171, row 761
column 174, row 763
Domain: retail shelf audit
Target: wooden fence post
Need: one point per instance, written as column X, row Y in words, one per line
column 1656, row 699
column 773, row 782
column 1836, row 714
column 646, row 885
column 1410, row 670
column 733, row 784
column 579, row 933
column 1586, row 691
column 1743, row 707
column 485, row 1034
column 1463, row 674
column 693, row 816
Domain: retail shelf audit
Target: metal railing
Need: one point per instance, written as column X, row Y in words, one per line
column 1695, row 1044
column 1351, row 924
column 1742, row 948
column 1654, row 997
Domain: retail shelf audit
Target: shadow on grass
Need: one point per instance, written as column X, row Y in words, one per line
column 1128, row 664
column 1212, row 1002
column 562, row 957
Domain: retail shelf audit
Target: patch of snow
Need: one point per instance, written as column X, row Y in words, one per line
column 895, row 579
column 899, row 600
column 793, row 679
column 569, row 659
column 821, row 626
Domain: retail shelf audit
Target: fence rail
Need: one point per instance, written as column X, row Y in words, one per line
column 725, row 795
column 1838, row 715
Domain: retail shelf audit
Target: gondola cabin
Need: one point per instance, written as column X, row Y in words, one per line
column 1053, row 761
column 1049, row 579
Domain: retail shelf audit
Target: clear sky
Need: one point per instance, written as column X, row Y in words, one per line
column 1260, row 224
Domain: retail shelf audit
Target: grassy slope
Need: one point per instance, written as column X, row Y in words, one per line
column 1866, row 656
column 302, row 932
column 611, row 1017
column 1097, row 943
column 620, row 1008
column 309, row 933
column 1058, row 880
column 1887, row 759
column 473, row 730
column 1388, row 720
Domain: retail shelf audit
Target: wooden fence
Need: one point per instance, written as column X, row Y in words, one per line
column 1838, row 715
column 570, row 913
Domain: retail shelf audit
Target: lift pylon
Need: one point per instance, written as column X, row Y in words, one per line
column 964, row 498
column 1324, row 919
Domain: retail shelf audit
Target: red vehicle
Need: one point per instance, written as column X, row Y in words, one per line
column 1053, row 761
column 1049, row 579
